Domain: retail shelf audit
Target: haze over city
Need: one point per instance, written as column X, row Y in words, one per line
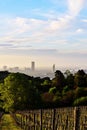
column 46, row 31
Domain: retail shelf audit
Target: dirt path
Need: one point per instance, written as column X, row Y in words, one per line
column 8, row 123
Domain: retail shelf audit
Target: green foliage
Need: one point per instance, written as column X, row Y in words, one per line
column 47, row 97
column 8, row 123
column 80, row 92
column 59, row 80
column 53, row 90
column 80, row 101
column 3, row 75
column 17, row 92
column 45, row 81
column 57, row 99
column 45, row 84
column 65, row 89
column 67, row 98
column 70, row 81
column 80, row 79
column 67, row 73
column 20, row 91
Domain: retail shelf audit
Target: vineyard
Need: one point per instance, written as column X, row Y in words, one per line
column 73, row 118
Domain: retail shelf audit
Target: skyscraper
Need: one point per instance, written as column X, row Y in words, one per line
column 53, row 67
column 4, row 67
column 32, row 65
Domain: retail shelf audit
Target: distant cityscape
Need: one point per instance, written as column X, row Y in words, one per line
column 40, row 72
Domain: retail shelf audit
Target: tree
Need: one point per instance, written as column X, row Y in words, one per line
column 17, row 92
column 47, row 99
column 67, row 73
column 70, row 81
column 53, row 90
column 67, row 98
column 59, row 80
column 80, row 101
column 3, row 75
column 80, row 79
column 80, row 92
column 45, row 85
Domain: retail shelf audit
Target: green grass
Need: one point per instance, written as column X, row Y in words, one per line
column 8, row 123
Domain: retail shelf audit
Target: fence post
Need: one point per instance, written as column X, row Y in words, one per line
column 54, row 119
column 76, row 118
column 21, row 120
column 34, row 121
column 41, row 119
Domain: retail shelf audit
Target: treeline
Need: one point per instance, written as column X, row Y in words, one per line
column 21, row 92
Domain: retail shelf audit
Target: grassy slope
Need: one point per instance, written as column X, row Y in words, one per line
column 8, row 123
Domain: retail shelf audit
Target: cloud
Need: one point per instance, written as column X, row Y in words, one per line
column 80, row 30
column 84, row 20
column 5, row 45
column 53, row 32
column 75, row 6
column 31, row 30
column 32, row 33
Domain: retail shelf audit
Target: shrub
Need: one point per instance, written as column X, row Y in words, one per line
column 80, row 101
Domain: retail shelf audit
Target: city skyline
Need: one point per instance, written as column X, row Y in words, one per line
column 47, row 32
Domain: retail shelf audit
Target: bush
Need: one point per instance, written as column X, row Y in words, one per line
column 80, row 101
column 80, row 92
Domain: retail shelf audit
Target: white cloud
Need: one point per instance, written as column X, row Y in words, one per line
column 33, row 30
column 42, row 33
column 84, row 20
column 75, row 6
column 80, row 30
column 27, row 33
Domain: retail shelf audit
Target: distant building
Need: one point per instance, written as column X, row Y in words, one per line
column 26, row 69
column 16, row 68
column 53, row 67
column 32, row 65
column 4, row 67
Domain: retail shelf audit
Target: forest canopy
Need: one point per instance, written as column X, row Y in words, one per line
column 21, row 92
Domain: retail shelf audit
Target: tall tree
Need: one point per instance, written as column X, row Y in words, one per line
column 80, row 79
column 17, row 92
column 59, row 80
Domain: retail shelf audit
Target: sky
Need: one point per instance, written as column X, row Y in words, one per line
column 45, row 31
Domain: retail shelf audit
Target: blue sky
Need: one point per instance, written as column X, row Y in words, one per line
column 46, row 31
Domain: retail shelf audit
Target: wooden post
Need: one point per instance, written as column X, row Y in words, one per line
column 76, row 118
column 41, row 120
column 34, row 122
column 54, row 119
column 21, row 121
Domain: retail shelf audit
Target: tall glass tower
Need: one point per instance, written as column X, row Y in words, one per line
column 53, row 67
column 32, row 65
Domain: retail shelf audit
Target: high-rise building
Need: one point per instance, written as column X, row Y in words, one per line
column 53, row 67
column 32, row 65
column 4, row 67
